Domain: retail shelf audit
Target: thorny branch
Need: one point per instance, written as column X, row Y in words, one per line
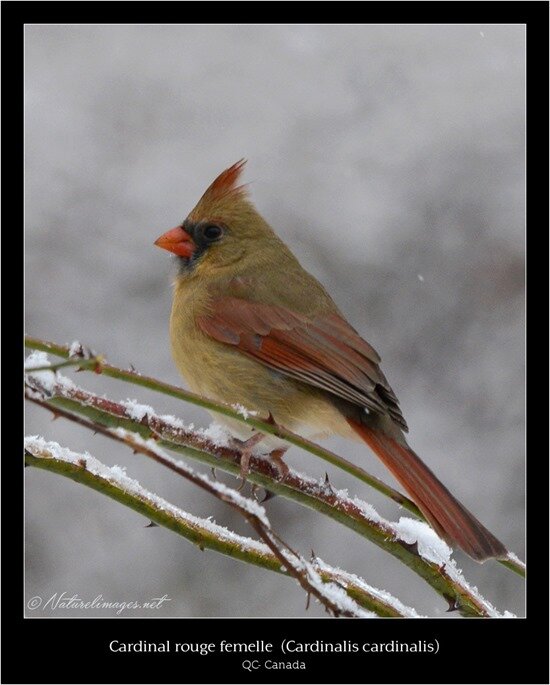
column 84, row 469
column 86, row 360
column 65, row 399
column 82, row 356
column 254, row 514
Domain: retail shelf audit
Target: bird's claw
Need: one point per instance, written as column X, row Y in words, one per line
column 245, row 467
column 246, row 447
column 276, row 457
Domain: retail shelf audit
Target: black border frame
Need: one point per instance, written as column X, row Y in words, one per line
column 77, row 650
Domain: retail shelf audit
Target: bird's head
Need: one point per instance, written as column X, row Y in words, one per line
column 222, row 229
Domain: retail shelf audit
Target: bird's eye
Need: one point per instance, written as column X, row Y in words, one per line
column 212, row 232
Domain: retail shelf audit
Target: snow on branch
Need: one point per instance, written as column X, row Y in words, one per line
column 83, row 358
column 86, row 360
column 413, row 542
column 341, row 593
column 439, row 570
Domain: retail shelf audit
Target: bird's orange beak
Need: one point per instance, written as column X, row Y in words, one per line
column 178, row 241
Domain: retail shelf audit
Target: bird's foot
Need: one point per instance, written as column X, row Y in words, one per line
column 276, row 457
column 247, row 449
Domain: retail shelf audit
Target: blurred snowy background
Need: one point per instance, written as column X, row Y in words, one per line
column 391, row 160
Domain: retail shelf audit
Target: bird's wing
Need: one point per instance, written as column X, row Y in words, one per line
column 324, row 351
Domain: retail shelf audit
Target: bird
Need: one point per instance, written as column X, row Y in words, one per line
column 250, row 325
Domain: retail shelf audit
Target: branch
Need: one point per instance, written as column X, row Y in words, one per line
column 439, row 570
column 114, row 483
column 86, row 360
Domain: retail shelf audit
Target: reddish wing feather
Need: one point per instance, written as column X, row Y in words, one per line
column 327, row 353
column 324, row 352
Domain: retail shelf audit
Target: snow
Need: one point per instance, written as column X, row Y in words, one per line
column 315, row 487
column 119, row 471
column 217, row 434
column 49, row 382
column 36, row 359
column 331, row 591
column 432, row 548
column 382, row 595
column 516, row 559
column 45, row 379
column 249, row 505
column 176, row 423
column 430, row 545
column 243, row 411
column 76, row 349
column 338, row 596
column 35, row 443
column 117, row 476
column 137, row 411
column 367, row 510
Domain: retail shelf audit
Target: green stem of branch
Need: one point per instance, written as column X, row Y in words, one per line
column 205, row 537
column 96, row 364
column 105, row 413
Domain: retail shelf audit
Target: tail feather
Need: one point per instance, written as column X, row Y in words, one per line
column 450, row 519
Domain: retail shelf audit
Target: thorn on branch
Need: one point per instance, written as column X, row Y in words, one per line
column 410, row 546
column 453, row 603
column 269, row 494
column 327, row 487
column 276, row 458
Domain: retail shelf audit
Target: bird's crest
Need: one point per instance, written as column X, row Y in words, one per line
column 225, row 184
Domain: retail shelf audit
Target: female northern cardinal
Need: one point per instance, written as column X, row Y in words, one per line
column 249, row 325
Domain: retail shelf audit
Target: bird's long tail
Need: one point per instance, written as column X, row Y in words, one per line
column 450, row 519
